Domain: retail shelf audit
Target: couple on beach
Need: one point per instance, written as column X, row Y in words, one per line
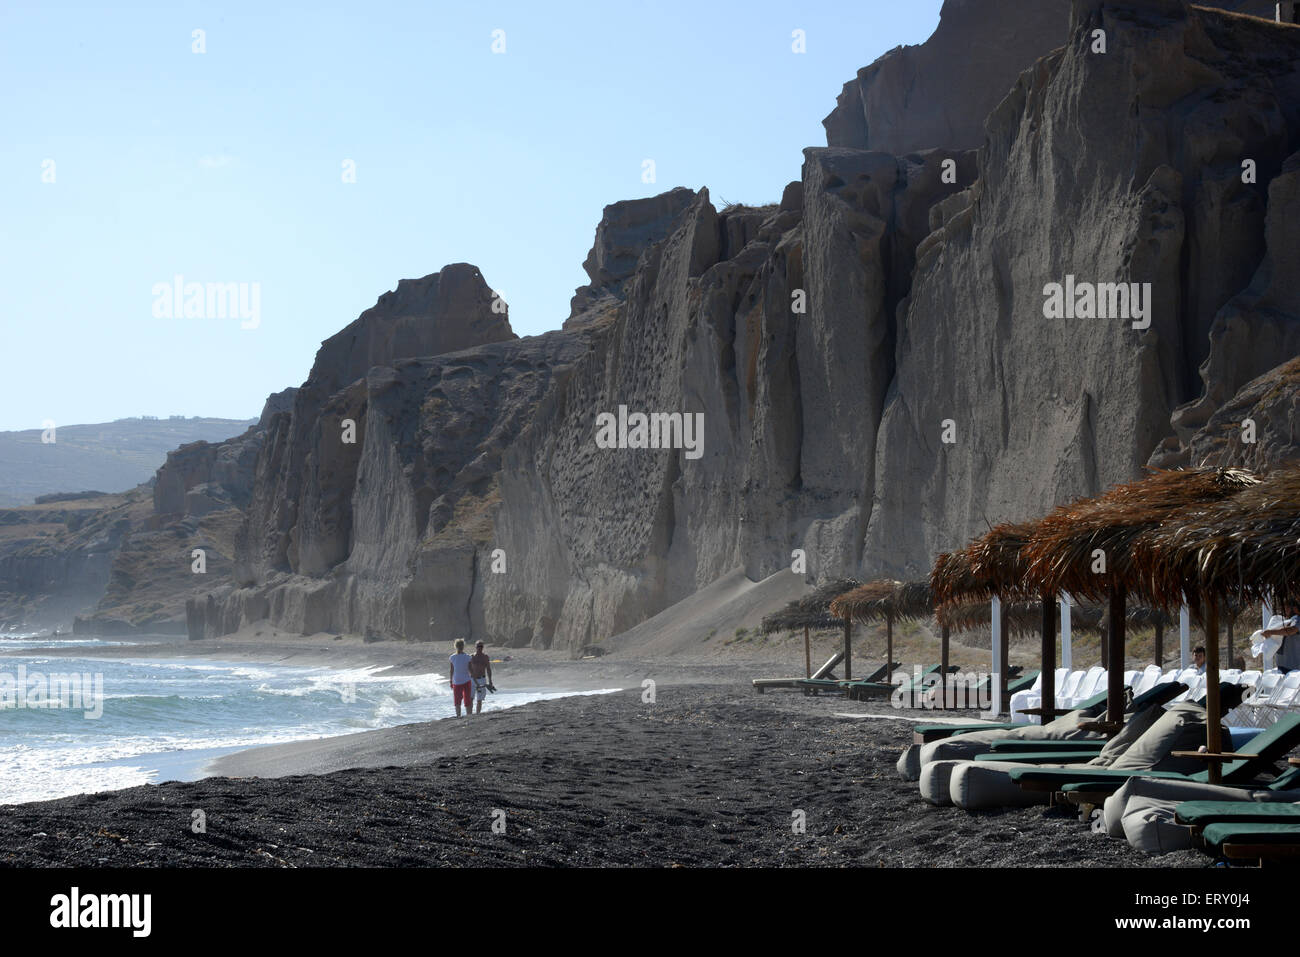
column 470, row 675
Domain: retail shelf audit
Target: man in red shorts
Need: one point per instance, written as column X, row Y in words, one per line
column 461, row 684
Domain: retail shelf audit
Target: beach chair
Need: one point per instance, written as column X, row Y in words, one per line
column 1254, row 707
column 1067, row 752
column 1287, row 698
column 1253, row 841
column 1029, row 679
column 1032, row 697
column 821, row 674
column 1267, row 747
column 1146, row 679
column 911, row 686
column 1200, row 814
column 1094, row 680
column 925, row 733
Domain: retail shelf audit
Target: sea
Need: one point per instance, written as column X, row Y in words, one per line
column 145, row 720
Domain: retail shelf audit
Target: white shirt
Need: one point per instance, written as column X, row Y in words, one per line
column 459, row 668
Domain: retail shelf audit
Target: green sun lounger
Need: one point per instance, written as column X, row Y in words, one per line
column 1266, row 747
column 925, row 733
column 1253, row 840
column 838, row 685
column 1022, row 683
column 1044, row 752
column 1201, row 814
column 909, row 686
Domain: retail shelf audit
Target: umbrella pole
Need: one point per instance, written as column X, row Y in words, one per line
column 807, row 651
column 1231, row 622
column 1048, row 665
column 1004, row 643
column 943, row 660
column 889, row 646
column 848, row 649
column 1213, row 707
column 1115, row 658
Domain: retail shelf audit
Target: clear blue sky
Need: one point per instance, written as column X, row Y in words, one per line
column 226, row 166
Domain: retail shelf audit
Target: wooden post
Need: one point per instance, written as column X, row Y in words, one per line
column 807, row 651
column 1213, row 707
column 943, row 660
column 1115, row 658
column 889, row 647
column 1105, row 640
column 1158, row 656
column 848, row 649
column 1005, row 644
column 1047, row 674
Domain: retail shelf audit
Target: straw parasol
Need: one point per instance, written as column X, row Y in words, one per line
column 994, row 565
column 888, row 601
column 1240, row 549
column 814, row 611
column 1086, row 549
column 1062, row 552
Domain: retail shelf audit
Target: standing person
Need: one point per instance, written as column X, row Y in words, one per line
column 1288, row 655
column 461, row 686
column 480, row 669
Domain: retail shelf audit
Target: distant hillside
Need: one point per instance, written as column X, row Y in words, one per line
column 109, row 457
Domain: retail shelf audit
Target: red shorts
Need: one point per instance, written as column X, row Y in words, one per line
column 465, row 691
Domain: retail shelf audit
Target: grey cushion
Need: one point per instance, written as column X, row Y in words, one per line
column 1143, row 810
column 965, row 746
column 909, row 763
column 934, row 781
column 985, row 784
column 1134, row 728
column 1180, row 728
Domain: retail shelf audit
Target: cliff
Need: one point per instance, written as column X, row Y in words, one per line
column 871, row 359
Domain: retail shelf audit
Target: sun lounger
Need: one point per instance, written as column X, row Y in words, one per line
column 762, row 684
column 839, row 685
column 909, row 687
column 1253, row 841
column 1200, row 814
column 1143, row 810
column 1266, row 748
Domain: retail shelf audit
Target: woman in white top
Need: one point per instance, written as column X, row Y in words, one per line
column 461, row 685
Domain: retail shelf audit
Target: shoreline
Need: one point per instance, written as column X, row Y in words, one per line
column 545, row 675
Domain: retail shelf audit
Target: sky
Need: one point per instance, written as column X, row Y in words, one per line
column 129, row 159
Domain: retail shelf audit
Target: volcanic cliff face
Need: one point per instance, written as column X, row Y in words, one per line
column 876, row 372
column 373, row 493
column 1124, row 166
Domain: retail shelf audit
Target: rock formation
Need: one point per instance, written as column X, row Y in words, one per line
column 876, row 371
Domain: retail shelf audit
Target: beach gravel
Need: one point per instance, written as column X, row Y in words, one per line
column 704, row 775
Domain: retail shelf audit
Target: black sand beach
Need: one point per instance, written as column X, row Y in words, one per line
column 706, row 775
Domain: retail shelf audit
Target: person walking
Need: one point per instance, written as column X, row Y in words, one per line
column 461, row 684
column 480, row 670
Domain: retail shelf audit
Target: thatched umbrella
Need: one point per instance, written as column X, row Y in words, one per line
column 814, row 611
column 1085, row 548
column 1239, row 549
column 888, row 601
